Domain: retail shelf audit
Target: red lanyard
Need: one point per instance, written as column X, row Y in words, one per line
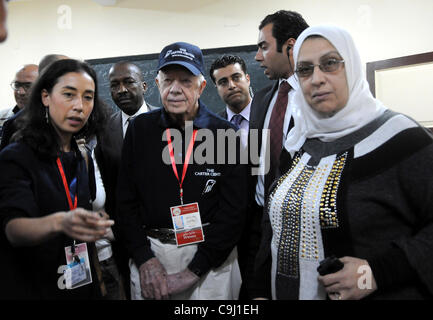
column 187, row 157
column 65, row 184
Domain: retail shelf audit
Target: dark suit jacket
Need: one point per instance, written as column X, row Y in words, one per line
column 108, row 156
column 9, row 128
column 223, row 114
column 108, row 153
column 259, row 108
column 250, row 241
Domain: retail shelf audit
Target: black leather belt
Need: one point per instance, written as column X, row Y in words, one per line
column 165, row 235
column 162, row 234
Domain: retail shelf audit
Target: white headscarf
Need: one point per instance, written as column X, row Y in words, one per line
column 361, row 107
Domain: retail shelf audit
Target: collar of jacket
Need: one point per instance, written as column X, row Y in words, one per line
column 201, row 120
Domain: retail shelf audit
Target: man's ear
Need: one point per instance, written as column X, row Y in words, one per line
column 144, row 86
column 45, row 97
column 202, row 86
column 290, row 43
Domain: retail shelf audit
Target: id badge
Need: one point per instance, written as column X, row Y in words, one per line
column 187, row 224
column 77, row 273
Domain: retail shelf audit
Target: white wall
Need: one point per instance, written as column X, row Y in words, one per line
column 84, row 29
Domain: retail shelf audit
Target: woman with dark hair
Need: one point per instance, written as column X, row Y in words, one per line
column 46, row 190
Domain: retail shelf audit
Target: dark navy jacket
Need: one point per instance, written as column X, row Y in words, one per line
column 147, row 189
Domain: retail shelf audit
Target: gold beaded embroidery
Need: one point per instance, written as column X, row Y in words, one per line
column 289, row 240
column 328, row 201
column 295, row 222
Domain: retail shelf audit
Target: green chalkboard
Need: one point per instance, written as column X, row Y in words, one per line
column 148, row 64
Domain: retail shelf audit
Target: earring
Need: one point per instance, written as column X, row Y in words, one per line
column 46, row 115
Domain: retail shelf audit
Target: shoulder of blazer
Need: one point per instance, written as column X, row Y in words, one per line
column 223, row 113
column 113, row 130
column 260, row 105
column 151, row 107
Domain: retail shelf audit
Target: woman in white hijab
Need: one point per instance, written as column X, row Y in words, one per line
column 359, row 185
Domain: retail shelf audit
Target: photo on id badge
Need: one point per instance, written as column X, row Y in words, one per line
column 187, row 224
column 77, row 273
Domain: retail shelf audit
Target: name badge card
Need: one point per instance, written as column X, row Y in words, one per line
column 187, row 224
column 77, row 273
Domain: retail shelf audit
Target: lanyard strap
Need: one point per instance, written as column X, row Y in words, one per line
column 187, row 157
column 65, row 185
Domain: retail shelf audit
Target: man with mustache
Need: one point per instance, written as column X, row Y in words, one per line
column 229, row 73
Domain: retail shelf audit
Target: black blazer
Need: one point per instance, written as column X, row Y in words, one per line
column 256, row 255
column 108, row 155
column 259, row 108
column 248, row 245
column 223, row 114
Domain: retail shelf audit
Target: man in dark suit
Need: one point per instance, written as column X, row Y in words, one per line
column 127, row 91
column 229, row 73
column 271, row 109
column 21, row 85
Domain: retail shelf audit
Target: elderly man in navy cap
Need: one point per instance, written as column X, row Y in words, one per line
column 181, row 203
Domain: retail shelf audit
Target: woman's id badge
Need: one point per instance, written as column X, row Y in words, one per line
column 187, row 224
column 77, row 273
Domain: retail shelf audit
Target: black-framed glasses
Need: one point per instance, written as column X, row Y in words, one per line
column 305, row 70
column 16, row 85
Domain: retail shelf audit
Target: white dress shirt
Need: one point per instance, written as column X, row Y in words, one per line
column 144, row 108
column 260, row 187
column 245, row 124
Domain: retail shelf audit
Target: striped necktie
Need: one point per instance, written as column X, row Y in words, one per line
column 276, row 124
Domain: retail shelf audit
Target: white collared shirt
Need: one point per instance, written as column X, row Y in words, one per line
column 245, row 124
column 260, row 187
column 144, row 108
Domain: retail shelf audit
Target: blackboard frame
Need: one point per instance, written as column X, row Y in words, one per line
column 152, row 56
column 210, row 96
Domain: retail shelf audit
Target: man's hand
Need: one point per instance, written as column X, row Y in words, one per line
column 153, row 280
column 181, row 281
column 343, row 285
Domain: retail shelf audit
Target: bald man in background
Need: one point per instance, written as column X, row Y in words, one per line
column 9, row 126
column 21, row 85
column 48, row 59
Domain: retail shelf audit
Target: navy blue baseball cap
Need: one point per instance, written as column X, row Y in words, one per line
column 184, row 54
